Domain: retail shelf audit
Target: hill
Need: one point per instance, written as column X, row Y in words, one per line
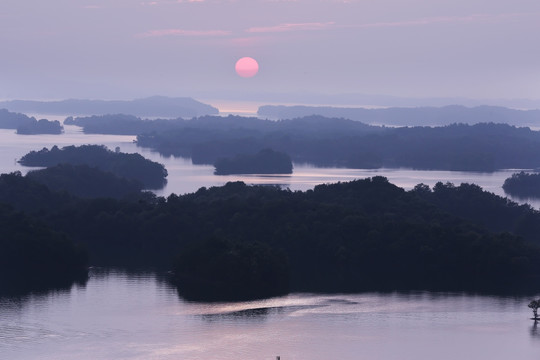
column 411, row 116
column 156, row 106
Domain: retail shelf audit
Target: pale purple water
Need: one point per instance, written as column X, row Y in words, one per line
column 119, row 316
column 137, row 317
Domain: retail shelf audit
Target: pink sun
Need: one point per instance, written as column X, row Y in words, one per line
column 247, row 67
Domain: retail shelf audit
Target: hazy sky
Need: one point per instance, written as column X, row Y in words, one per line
column 131, row 48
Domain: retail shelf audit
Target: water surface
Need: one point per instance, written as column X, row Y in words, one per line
column 138, row 316
column 184, row 177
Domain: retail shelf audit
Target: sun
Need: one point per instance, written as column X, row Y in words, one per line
column 247, row 67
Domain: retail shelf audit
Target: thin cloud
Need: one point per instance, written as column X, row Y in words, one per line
column 183, row 32
column 291, row 27
column 436, row 20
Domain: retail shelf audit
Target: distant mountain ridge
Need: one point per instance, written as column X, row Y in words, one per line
column 414, row 116
column 155, row 106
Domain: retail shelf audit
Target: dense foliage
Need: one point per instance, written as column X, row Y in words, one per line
column 85, row 181
column 265, row 161
column 334, row 142
column 130, row 166
column 32, row 256
column 523, row 185
column 216, row 269
column 362, row 235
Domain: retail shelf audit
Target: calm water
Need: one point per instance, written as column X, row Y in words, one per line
column 184, row 177
column 119, row 316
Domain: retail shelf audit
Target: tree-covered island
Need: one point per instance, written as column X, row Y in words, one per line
column 242, row 242
column 523, row 184
column 42, row 126
column 129, row 166
column 333, row 142
column 26, row 125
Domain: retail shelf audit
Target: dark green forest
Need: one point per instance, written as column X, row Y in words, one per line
column 239, row 241
column 333, row 142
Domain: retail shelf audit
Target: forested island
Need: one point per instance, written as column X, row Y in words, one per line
column 42, row 126
column 410, row 116
column 225, row 242
column 333, row 142
column 522, row 184
column 26, row 125
column 133, row 167
column 266, row 161
column 154, row 106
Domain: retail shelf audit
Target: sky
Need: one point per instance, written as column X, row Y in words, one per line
column 123, row 49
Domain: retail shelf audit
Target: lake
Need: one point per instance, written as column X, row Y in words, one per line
column 139, row 316
column 184, row 177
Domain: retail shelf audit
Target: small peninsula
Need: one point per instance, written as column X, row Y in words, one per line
column 266, row 161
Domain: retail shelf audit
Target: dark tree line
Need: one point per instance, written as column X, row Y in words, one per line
column 334, row 142
column 361, row 235
column 85, row 181
column 411, row 116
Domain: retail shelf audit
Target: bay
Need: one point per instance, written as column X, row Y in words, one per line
column 139, row 316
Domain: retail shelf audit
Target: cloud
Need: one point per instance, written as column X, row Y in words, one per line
column 437, row 20
column 291, row 27
column 183, row 32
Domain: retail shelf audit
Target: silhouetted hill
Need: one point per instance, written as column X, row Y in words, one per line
column 156, row 106
column 413, row 116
